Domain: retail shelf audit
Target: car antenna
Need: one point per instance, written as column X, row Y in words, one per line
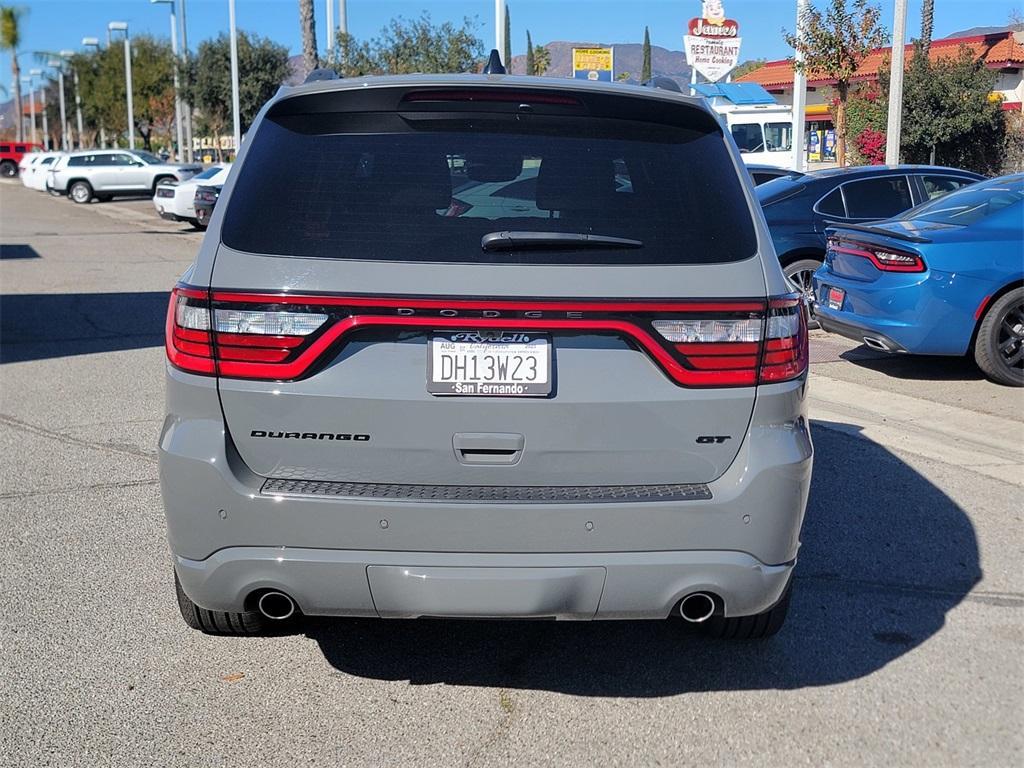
column 494, row 65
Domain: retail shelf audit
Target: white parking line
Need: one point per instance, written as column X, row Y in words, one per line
column 985, row 444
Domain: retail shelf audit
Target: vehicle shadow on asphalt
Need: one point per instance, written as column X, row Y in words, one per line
column 39, row 326
column 916, row 367
column 885, row 556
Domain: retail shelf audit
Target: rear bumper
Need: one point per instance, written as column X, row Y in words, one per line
column 826, row 319
column 616, row 558
column 930, row 313
column 573, row 586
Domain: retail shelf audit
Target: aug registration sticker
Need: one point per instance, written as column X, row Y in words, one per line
column 489, row 363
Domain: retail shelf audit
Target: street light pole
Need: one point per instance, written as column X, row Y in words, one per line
column 235, row 110
column 894, row 123
column 799, row 92
column 95, row 43
column 177, row 85
column 59, row 66
column 46, row 120
column 342, row 17
column 122, row 26
column 32, row 101
column 499, row 29
column 186, row 106
column 330, row 31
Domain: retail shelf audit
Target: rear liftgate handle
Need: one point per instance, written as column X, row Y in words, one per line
column 488, row 447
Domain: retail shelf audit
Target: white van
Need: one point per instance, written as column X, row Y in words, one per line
column 764, row 135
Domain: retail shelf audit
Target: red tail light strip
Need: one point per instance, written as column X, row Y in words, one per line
column 539, row 305
column 866, row 253
column 253, row 356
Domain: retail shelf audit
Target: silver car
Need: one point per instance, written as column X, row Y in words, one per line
column 106, row 173
column 386, row 401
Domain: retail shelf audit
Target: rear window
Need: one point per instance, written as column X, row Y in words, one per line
column 877, row 198
column 431, row 190
column 972, row 204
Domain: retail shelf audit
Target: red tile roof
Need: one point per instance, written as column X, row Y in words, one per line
column 999, row 50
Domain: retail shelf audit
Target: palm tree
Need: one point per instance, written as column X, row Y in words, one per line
column 310, row 59
column 927, row 20
column 10, row 39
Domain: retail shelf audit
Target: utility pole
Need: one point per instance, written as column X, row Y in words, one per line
column 499, row 29
column 895, row 122
column 799, row 92
column 235, row 111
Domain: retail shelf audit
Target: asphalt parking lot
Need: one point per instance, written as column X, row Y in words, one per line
column 903, row 645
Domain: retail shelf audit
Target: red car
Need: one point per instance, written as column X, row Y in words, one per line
column 11, row 153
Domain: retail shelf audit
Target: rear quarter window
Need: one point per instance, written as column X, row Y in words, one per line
column 431, row 192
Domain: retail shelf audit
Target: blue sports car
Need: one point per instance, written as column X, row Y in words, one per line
column 944, row 278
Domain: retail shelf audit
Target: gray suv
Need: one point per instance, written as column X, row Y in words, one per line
column 106, row 173
column 582, row 397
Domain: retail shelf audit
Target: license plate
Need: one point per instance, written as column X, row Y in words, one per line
column 489, row 363
column 835, row 298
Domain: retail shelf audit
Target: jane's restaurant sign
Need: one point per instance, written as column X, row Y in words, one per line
column 713, row 42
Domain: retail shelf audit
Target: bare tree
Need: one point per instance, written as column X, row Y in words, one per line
column 307, row 22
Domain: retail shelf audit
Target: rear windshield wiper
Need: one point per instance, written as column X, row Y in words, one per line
column 514, row 241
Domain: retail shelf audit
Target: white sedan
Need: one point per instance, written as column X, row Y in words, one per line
column 174, row 201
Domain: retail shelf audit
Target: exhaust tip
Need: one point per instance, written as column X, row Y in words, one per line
column 878, row 344
column 697, row 607
column 276, row 605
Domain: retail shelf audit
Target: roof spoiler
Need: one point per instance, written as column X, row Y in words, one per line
column 906, row 236
column 665, row 83
column 321, row 73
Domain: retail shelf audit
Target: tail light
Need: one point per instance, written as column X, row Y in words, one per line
column 884, row 259
column 761, row 348
column 283, row 337
column 205, row 339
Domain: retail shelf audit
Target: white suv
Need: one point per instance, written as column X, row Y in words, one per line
column 105, row 173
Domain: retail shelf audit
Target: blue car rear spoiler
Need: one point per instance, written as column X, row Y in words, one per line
column 880, row 231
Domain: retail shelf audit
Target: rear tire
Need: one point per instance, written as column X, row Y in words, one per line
column 81, row 192
column 798, row 274
column 217, row 622
column 999, row 346
column 757, row 627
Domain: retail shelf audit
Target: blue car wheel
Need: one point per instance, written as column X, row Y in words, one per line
column 999, row 348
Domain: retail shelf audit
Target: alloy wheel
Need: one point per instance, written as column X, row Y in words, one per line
column 1010, row 338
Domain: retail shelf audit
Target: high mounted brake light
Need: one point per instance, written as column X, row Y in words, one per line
column 492, row 95
column 283, row 337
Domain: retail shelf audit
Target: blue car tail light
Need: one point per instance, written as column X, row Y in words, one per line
column 884, row 259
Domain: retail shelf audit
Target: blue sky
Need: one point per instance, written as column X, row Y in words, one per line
column 56, row 24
